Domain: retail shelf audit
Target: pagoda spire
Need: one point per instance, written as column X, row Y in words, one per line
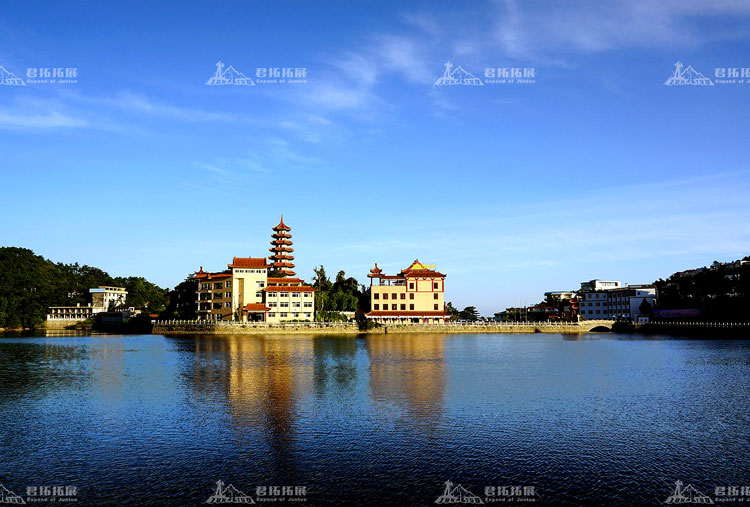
column 281, row 250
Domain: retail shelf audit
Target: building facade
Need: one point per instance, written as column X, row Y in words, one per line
column 617, row 303
column 415, row 295
column 106, row 297
column 247, row 292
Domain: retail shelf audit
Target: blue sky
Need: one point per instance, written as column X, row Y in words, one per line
column 595, row 170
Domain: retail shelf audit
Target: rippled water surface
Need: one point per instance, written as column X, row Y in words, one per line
column 153, row 420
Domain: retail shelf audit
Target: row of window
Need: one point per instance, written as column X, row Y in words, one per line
column 286, row 294
column 284, row 304
column 376, row 306
column 402, row 294
column 285, row 314
column 259, row 271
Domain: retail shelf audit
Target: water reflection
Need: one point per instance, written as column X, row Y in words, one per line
column 408, row 371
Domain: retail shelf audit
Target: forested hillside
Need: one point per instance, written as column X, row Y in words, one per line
column 30, row 284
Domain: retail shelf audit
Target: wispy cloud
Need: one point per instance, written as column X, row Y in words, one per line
column 36, row 120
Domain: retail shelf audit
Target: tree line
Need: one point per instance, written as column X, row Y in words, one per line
column 30, row 284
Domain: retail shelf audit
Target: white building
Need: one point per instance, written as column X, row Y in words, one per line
column 600, row 285
column 616, row 303
column 105, row 297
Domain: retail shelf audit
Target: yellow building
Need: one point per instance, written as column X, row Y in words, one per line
column 246, row 292
column 415, row 295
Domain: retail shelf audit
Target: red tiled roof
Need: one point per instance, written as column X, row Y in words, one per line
column 282, row 226
column 248, row 262
column 283, row 279
column 211, row 276
column 412, row 314
column 289, row 288
column 255, row 307
column 422, row 273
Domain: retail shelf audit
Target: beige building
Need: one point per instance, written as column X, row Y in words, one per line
column 245, row 291
column 415, row 295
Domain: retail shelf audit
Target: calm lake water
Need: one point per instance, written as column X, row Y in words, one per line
column 152, row 420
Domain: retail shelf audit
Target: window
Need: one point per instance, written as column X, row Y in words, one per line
column 435, row 307
column 376, row 306
column 295, row 294
column 376, row 295
column 411, row 296
column 272, row 294
column 229, row 284
column 403, row 307
column 435, row 296
column 284, row 294
column 393, row 307
column 205, row 286
column 228, row 304
column 307, row 295
column 411, row 285
column 217, row 306
column 259, row 295
column 218, row 286
column 296, row 315
column 308, row 304
column 411, row 306
column 283, row 314
column 296, row 304
column 227, row 295
column 435, row 286
column 307, row 315
column 272, row 314
column 403, row 295
column 272, row 304
column 284, row 304
column 217, row 295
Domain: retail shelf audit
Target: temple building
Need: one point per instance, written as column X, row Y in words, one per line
column 246, row 291
column 415, row 295
column 281, row 250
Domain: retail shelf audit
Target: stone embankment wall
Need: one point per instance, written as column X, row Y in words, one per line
column 223, row 329
column 328, row 328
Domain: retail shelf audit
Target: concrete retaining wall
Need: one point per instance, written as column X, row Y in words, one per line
column 192, row 327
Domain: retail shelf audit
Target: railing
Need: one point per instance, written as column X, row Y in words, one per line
column 230, row 323
column 688, row 323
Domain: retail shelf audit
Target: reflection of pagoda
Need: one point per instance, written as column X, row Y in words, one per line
column 281, row 250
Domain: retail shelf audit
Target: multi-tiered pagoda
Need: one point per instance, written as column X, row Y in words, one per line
column 281, row 250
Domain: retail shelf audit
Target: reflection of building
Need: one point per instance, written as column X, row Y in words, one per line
column 415, row 295
column 246, row 292
column 408, row 369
